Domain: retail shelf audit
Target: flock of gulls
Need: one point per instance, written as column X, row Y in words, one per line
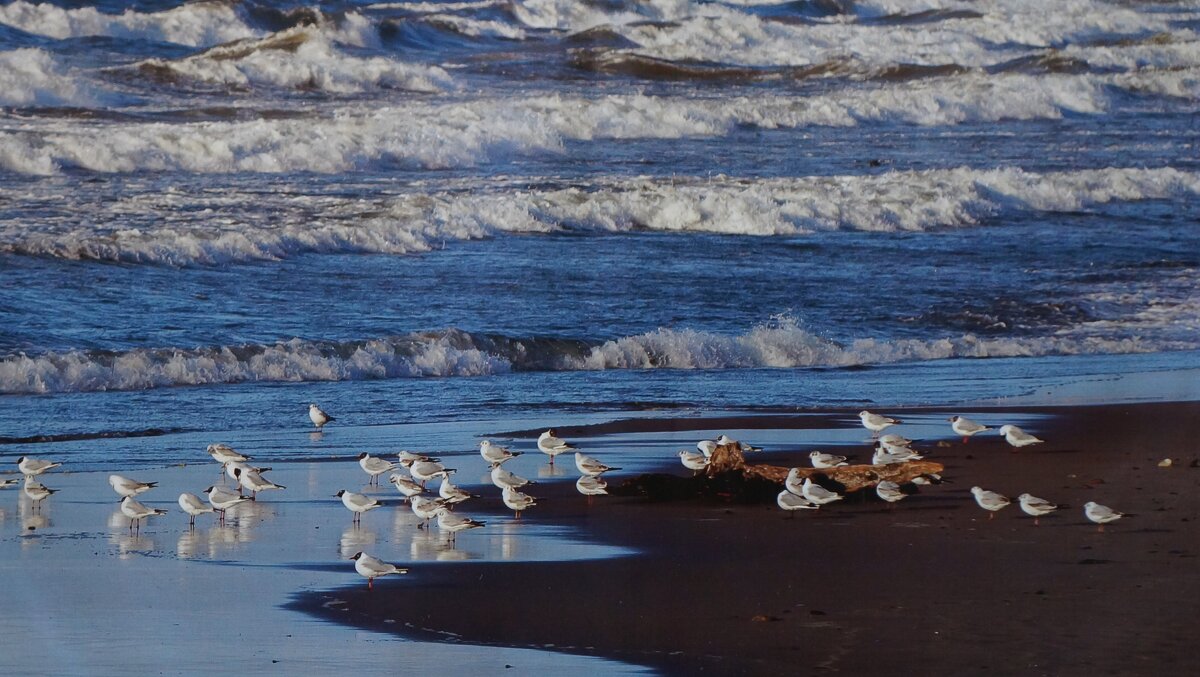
column 422, row 469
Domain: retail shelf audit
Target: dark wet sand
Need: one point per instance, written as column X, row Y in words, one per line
column 931, row 586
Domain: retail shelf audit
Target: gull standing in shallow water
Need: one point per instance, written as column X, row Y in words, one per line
column 791, row 502
column 222, row 499
column 590, row 466
column 423, row 471
column 448, row 521
column 37, row 492
column 136, row 512
column 405, row 486
column 494, row 454
column 1035, row 507
column 503, row 478
column 817, row 493
column 126, row 487
column 517, row 501
column 318, row 417
column 452, row 495
column 357, row 503
column 590, row 486
column 1100, row 514
column 32, row 467
column 965, row 427
column 255, row 482
column 1017, row 437
column 371, row 568
column 823, row 460
column 989, row 500
column 374, row 466
column 425, row 508
column 552, row 446
column 193, row 506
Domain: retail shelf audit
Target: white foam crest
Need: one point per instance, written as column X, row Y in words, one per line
column 302, row 58
column 435, row 7
column 34, row 77
column 569, row 15
column 477, row 28
column 198, row 24
column 294, row 360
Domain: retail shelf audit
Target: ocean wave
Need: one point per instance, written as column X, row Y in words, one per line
column 197, row 24
column 454, row 353
column 889, row 202
column 34, row 77
column 298, row 58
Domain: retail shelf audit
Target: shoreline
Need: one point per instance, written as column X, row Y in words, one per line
column 930, row 581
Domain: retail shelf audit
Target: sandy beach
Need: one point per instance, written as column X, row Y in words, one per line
column 930, row 584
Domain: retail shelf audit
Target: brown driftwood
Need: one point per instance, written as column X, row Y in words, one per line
column 728, row 458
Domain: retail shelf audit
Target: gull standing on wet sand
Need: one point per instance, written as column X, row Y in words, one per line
column 374, row 466
column 791, row 502
column 817, row 493
column 965, row 427
column 552, row 446
column 823, row 460
column 193, row 506
column 371, row 568
column 876, row 423
column 405, row 486
column 517, row 501
column 32, row 467
column 318, row 417
column 221, row 499
column 590, row 466
column 889, row 491
column 494, row 454
column 255, row 482
column 448, row 521
column 357, row 503
column 989, row 500
column 136, row 512
column 452, row 495
column 894, row 440
column 423, row 471
column 37, row 492
column 126, row 487
column 425, row 508
column 504, row 478
column 1017, row 437
column 592, row 486
column 1035, row 507
column 1100, row 514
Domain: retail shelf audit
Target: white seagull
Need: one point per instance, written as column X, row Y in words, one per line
column 126, row 487
column 425, row 508
column 448, row 521
column 965, row 427
column 451, row 494
column 4, row 484
column 221, row 499
column 503, row 478
column 494, row 454
column 742, row 446
column 31, row 467
column 232, row 468
column 1017, row 437
column 374, row 466
column 1036, row 507
column 517, row 501
column 223, row 453
column 136, row 512
column 412, row 457
column 883, row 457
column 892, row 439
column 1100, row 514
column 876, row 423
column 591, row 486
column 590, row 466
column 255, row 482
column 552, row 446
column 371, row 568
column 37, row 492
column 897, row 449
column 193, row 506
column 817, row 493
column 791, row 502
column 423, row 471
column 706, row 447
column 693, row 461
column 889, row 491
column 823, row 460
column 405, row 486
column 989, row 500
column 357, row 503
column 794, row 482
column 318, row 417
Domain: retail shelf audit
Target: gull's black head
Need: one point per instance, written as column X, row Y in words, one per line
column 362, row 456
column 208, row 490
column 356, row 555
column 340, row 492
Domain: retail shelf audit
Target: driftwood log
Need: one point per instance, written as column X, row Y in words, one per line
column 729, row 458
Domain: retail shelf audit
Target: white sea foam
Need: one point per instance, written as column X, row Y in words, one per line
column 197, row 24
column 782, row 344
column 300, row 58
column 178, row 229
column 34, row 77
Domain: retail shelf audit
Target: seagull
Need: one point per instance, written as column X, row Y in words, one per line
column 135, row 511
column 233, row 467
column 425, row 508
column 590, row 466
column 357, row 503
column 897, row 449
column 4, row 484
column 31, row 467
column 451, row 494
column 374, row 466
column 423, row 471
column 503, row 478
column 742, row 446
column 1101, row 514
column 371, row 568
column 693, row 461
column 254, row 482
column 517, row 501
column 882, row 457
column 823, row 460
column 791, row 502
column 591, row 486
column 989, row 500
column 193, row 506
column 221, row 499
column 318, row 417
column 706, row 447
column 223, row 453
column 794, row 482
column 412, row 457
column 126, row 487
column 552, row 446
column 928, row 478
column 875, row 422
column 1017, row 437
column 965, row 427
column 405, row 486
column 889, row 491
column 37, row 492
column 1036, row 507
column 448, row 521
column 495, row 454
column 817, row 493
column 892, row 439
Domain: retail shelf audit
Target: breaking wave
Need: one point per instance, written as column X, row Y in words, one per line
column 34, row 77
column 198, row 24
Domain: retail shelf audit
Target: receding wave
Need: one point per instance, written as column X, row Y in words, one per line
column 889, row 202
column 457, row 353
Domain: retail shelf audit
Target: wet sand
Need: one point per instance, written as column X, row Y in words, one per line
column 930, row 585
